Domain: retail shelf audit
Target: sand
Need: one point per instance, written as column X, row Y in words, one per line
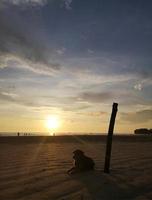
column 35, row 169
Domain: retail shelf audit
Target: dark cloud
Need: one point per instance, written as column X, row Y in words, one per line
column 7, row 97
column 95, row 97
column 16, row 45
column 137, row 117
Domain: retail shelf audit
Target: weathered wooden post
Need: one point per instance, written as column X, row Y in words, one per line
column 109, row 138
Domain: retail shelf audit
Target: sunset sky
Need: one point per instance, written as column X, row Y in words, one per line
column 72, row 59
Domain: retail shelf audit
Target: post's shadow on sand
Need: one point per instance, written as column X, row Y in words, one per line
column 99, row 185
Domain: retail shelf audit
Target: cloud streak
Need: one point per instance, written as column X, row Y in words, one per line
column 23, row 2
column 16, row 61
column 137, row 117
column 93, row 114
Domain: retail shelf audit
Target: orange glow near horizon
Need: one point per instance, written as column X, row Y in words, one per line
column 58, row 124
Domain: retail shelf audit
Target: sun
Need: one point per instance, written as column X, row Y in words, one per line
column 52, row 122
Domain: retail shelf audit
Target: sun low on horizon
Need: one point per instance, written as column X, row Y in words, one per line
column 52, row 123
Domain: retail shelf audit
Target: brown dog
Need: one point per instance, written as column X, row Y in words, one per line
column 81, row 162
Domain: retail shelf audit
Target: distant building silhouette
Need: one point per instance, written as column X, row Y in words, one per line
column 143, row 131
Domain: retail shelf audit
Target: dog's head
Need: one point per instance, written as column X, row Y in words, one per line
column 78, row 153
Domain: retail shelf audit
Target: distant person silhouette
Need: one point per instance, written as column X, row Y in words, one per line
column 82, row 163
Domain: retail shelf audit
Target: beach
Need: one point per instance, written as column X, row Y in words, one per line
column 35, row 168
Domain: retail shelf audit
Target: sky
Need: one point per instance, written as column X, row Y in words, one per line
column 72, row 59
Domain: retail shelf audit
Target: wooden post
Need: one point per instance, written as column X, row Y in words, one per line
column 109, row 138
